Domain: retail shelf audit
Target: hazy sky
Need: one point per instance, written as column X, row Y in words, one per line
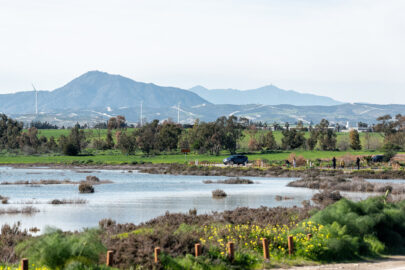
column 349, row 50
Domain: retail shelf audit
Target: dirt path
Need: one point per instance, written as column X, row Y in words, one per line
column 392, row 262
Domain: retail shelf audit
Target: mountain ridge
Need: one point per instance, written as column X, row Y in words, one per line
column 95, row 89
column 267, row 95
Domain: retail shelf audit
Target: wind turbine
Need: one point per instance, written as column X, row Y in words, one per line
column 141, row 112
column 36, row 99
column 178, row 113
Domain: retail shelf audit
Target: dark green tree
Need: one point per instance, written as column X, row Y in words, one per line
column 354, row 140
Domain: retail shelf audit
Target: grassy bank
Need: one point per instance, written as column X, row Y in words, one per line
column 344, row 231
column 115, row 157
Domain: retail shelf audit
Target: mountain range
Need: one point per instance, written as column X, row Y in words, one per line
column 95, row 96
column 267, row 95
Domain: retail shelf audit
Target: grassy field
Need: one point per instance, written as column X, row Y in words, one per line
column 114, row 157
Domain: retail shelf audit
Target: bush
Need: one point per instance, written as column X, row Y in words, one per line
column 58, row 250
column 218, row 193
column 366, row 228
column 86, row 188
column 91, row 178
column 70, row 149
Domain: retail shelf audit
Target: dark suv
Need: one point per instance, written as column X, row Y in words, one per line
column 236, row 159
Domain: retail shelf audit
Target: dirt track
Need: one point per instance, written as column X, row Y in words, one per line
column 393, row 262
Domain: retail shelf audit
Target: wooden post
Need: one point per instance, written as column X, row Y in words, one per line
column 197, row 250
column 266, row 254
column 290, row 245
column 309, row 236
column 230, row 250
column 24, row 264
column 109, row 259
column 157, row 253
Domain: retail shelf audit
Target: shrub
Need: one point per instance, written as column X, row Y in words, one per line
column 58, row 250
column 365, row 228
column 218, row 193
column 91, row 178
column 70, row 149
column 86, row 188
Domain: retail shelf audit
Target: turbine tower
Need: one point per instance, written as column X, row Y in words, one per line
column 141, row 113
column 36, row 100
column 178, row 113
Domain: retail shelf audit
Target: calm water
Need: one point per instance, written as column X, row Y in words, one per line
column 132, row 197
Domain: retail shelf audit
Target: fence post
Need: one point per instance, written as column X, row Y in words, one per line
column 266, row 254
column 230, row 250
column 24, row 264
column 290, row 245
column 157, row 253
column 109, row 259
column 309, row 236
column 197, row 250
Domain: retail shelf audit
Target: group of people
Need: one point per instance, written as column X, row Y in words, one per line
column 342, row 163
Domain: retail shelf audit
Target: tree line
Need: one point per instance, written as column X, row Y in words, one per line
column 203, row 137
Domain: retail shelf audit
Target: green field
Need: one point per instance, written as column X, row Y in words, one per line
column 114, row 157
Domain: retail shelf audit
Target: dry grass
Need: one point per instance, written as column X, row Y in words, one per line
column 28, row 210
column 68, row 201
column 231, row 181
column 89, row 179
column 218, row 193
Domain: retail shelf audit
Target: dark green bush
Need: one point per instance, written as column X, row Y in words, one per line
column 367, row 228
column 57, row 250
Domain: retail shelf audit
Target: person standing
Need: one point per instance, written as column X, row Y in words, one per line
column 358, row 163
column 334, row 163
column 294, row 163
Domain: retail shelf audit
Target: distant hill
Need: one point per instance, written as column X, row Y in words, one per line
column 267, row 95
column 97, row 89
column 96, row 96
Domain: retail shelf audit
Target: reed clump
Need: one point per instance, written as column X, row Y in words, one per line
column 218, row 194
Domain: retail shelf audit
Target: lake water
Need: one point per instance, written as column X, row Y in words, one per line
column 132, row 197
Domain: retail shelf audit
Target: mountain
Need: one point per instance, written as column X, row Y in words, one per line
column 96, row 96
column 97, row 89
column 267, row 95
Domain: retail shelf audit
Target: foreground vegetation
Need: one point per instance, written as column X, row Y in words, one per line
column 342, row 231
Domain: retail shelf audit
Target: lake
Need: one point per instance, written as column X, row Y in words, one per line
column 132, row 197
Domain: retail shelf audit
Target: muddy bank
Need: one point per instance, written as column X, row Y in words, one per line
column 351, row 185
column 183, row 169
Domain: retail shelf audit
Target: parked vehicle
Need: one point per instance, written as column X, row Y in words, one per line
column 377, row 158
column 236, row 159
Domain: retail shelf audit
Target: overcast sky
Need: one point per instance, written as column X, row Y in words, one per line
column 349, row 50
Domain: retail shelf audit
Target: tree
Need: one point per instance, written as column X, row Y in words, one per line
column 126, row 143
column 354, row 140
column 74, row 143
column 268, row 142
column 168, row 136
column 229, row 131
column 146, row 136
column 109, row 141
column 10, row 131
column 313, row 138
column 253, row 145
column 326, row 136
column 385, row 125
column 117, row 122
column 292, row 139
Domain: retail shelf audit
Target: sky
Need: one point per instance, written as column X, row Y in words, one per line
column 350, row 50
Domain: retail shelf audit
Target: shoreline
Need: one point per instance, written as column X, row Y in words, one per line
column 183, row 169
